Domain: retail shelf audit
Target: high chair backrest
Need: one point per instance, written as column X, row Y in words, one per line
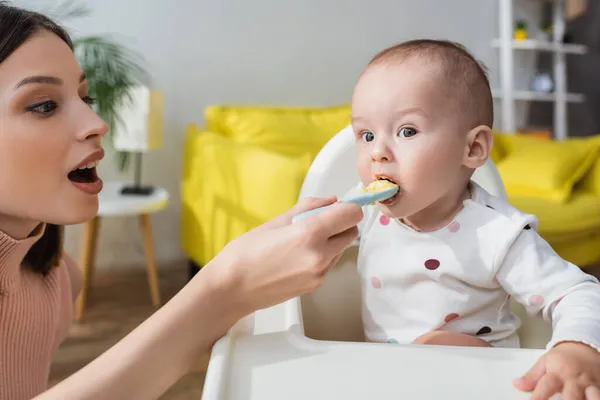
column 333, row 311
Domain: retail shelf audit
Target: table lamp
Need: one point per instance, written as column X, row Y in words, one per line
column 139, row 130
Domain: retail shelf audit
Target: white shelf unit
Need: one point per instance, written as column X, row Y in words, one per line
column 507, row 93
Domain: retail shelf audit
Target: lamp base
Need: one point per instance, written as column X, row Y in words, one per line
column 137, row 190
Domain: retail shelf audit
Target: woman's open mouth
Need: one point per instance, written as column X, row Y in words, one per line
column 86, row 178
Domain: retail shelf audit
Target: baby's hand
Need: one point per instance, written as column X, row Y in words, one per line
column 571, row 369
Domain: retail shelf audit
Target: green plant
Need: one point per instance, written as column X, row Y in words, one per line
column 521, row 25
column 111, row 69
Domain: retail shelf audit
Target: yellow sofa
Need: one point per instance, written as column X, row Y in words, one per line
column 246, row 166
column 559, row 182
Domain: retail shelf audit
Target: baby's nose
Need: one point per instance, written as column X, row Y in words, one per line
column 381, row 155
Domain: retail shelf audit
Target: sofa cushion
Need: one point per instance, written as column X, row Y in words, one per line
column 497, row 152
column 285, row 130
column 580, row 214
column 591, row 180
column 545, row 169
column 230, row 188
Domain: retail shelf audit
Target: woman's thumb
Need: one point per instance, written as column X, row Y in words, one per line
column 310, row 203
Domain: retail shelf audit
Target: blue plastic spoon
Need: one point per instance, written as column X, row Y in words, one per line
column 362, row 199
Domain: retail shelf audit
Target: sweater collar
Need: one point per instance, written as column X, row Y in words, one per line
column 12, row 253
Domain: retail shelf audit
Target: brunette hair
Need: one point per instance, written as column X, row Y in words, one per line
column 17, row 25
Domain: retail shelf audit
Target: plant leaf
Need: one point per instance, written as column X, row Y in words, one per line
column 68, row 9
column 111, row 70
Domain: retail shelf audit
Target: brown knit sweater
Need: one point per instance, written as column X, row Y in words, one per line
column 35, row 314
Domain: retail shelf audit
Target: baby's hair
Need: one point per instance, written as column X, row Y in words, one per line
column 464, row 76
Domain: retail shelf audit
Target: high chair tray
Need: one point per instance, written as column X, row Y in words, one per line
column 271, row 358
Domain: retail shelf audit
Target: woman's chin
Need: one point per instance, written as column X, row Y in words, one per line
column 75, row 216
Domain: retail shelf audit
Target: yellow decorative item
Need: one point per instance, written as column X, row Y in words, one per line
column 547, row 169
column 571, row 226
column 521, row 31
column 246, row 167
column 520, row 34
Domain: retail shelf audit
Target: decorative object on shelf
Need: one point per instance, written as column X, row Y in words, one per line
column 112, row 70
column 542, row 82
column 545, row 32
column 520, row 32
column 139, row 130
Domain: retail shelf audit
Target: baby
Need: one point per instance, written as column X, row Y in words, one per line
column 440, row 260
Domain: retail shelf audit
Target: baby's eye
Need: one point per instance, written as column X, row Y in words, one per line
column 407, row 132
column 368, row 136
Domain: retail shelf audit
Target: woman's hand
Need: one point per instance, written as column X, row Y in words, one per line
column 280, row 260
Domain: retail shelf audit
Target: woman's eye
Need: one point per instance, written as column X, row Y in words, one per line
column 89, row 100
column 407, row 132
column 45, row 107
column 368, row 136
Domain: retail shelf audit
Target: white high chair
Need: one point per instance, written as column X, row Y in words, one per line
column 312, row 347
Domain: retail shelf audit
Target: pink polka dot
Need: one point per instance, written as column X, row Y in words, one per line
column 384, row 220
column 454, row 227
column 536, row 300
column 376, row 283
column 432, row 264
column 450, row 317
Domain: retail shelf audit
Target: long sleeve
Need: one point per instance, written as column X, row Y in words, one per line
column 553, row 288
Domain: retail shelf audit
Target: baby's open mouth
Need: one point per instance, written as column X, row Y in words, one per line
column 85, row 174
column 385, row 180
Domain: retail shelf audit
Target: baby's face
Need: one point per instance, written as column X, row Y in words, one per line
column 407, row 132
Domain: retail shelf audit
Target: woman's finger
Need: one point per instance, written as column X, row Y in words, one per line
column 340, row 242
column 306, row 204
column 334, row 262
column 337, row 219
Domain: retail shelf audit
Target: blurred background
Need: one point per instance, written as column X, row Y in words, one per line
column 278, row 57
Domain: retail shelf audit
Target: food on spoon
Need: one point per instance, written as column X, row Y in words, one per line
column 379, row 185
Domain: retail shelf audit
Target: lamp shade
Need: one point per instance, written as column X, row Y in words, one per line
column 140, row 128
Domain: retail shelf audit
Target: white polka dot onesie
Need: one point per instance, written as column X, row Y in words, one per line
column 460, row 278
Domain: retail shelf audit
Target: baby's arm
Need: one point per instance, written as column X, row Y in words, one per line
column 547, row 285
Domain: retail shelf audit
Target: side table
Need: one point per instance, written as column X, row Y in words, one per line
column 113, row 203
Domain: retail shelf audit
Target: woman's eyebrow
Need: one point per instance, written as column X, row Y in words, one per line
column 43, row 79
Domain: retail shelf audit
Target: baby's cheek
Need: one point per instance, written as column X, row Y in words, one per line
column 433, row 172
column 364, row 172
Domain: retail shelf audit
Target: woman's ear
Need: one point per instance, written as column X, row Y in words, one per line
column 478, row 146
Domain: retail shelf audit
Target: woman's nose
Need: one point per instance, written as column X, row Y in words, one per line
column 92, row 127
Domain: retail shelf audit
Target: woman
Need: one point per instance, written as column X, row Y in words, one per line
column 48, row 134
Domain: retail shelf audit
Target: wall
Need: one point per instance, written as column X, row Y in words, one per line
column 306, row 52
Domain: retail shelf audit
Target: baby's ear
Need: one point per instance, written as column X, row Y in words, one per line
column 478, row 146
